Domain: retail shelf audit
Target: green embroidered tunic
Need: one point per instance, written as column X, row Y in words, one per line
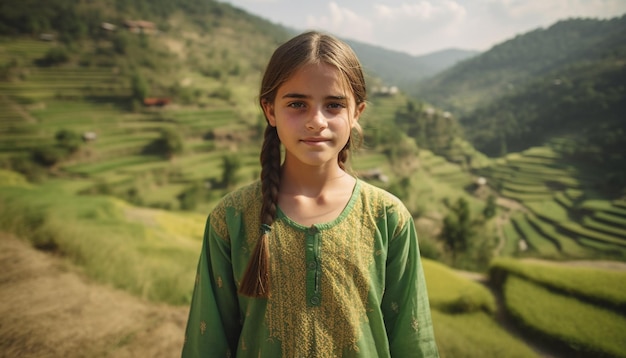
column 353, row 287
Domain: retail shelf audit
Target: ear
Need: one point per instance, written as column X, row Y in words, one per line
column 268, row 110
column 357, row 112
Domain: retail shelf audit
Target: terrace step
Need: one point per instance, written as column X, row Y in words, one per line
column 535, row 238
column 603, row 228
column 609, row 219
column 577, row 230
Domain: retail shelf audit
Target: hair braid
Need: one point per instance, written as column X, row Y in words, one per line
column 342, row 158
column 255, row 281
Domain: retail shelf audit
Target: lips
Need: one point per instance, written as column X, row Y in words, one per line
column 314, row 140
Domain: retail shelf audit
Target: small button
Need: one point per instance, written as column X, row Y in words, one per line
column 312, row 230
column 312, row 265
column 315, row 300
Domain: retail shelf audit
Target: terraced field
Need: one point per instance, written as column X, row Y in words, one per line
column 36, row 102
column 576, row 308
column 567, row 217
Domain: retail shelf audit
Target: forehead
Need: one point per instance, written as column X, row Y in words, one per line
column 318, row 78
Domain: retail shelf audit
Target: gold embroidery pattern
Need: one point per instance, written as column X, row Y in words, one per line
column 395, row 307
column 219, row 282
column 218, row 221
column 246, row 200
column 415, row 324
column 346, row 253
column 202, row 327
column 403, row 215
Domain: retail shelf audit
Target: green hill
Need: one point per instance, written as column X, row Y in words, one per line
column 517, row 62
column 564, row 82
column 401, row 69
column 76, row 121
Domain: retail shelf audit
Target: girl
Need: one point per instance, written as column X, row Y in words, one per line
column 310, row 261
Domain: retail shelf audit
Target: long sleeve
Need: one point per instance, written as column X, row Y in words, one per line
column 213, row 327
column 405, row 302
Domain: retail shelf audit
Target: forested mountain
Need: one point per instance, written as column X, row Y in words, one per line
column 537, row 54
column 566, row 82
column 402, row 69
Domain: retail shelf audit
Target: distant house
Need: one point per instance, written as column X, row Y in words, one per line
column 156, row 101
column 89, row 136
column 385, row 91
column 108, row 27
column 140, row 26
column 47, row 37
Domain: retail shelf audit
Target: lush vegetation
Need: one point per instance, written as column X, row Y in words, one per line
column 96, row 172
column 403, row 70
column 566, row 214
column 592, row 284
column 563, row 81
column 150, row 253
column 562, row 306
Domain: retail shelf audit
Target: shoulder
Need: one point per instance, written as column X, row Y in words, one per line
column 235, row 206
column 241, row 198
column 384, row 204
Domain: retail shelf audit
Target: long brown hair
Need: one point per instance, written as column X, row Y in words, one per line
column 307, row 48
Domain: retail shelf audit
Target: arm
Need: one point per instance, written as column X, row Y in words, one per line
column 405, row 302
column 213, row 326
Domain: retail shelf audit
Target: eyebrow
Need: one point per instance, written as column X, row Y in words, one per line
column 304, row 96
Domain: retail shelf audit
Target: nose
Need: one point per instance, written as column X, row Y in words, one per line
column 317, row 121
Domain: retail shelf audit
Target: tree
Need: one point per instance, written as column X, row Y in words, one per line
column 68, row 140
column 139, row 87
column 490, row 209
column 120, row 43
column 168, row 144
column 230, row 166
column 457, row 228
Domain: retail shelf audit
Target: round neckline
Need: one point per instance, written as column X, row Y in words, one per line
column 326, row 225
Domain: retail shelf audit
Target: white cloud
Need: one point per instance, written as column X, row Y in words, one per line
column 423, row 26
column 418, row 27
column 343, row 22
column 423, row 10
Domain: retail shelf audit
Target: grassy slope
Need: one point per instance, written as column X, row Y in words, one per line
column 40, row 101
column 152, row 254
column 577, row 308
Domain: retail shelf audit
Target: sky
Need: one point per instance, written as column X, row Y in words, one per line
column 421, row 27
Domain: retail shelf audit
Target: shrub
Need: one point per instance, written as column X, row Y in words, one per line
column 168, row 144
column 68, row 140
column 49, row 156
column 54, row 56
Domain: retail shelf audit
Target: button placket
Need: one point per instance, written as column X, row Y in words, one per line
column 313, row 272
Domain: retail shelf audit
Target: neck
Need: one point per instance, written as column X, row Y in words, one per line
column 312, row 181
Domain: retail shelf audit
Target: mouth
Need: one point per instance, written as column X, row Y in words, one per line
column 314, row 140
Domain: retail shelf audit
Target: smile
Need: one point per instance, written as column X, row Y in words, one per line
column 314, row 140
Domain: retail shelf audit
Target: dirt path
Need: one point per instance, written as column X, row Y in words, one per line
column 49, row 309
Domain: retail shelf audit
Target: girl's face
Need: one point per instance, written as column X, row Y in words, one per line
column 313, row 112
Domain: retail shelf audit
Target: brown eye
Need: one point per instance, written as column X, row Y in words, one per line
column 296, row 105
